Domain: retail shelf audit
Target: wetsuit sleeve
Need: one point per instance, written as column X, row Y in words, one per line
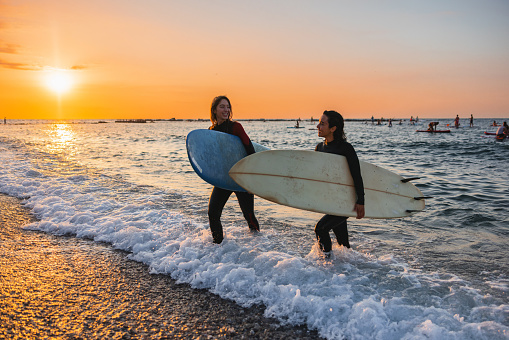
column 355, row 170
column 238, row 130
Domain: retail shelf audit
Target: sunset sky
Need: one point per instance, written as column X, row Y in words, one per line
column 107, row 59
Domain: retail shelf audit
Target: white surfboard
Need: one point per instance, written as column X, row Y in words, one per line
column 321, row 182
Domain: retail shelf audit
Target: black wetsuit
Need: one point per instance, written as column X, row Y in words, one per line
column 338, row 223
column 219, row 196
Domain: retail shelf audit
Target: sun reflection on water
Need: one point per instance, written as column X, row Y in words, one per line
column 62, row 138
column 59, row 144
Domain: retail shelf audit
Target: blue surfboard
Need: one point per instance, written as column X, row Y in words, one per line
column 212, row 154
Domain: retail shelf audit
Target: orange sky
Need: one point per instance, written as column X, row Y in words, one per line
column 274, row 59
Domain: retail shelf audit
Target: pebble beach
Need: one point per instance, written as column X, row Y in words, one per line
column 62, row 287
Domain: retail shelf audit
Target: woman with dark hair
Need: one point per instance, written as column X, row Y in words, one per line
column 331, row 127
column 220, row 116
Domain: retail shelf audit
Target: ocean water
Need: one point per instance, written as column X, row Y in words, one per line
column 440, row 274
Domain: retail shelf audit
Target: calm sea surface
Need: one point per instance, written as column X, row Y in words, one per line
column 440, row 274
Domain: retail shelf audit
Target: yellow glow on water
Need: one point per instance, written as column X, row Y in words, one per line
column 64, row 133
column 62, row 138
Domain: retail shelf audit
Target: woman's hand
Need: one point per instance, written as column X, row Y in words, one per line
column 359, row 208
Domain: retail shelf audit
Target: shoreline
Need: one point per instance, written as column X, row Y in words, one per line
column 66, row 287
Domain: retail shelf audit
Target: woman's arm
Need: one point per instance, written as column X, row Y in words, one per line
column 355, row 170
column 238, row 130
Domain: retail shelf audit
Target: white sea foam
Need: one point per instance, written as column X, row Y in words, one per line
column 351, row 295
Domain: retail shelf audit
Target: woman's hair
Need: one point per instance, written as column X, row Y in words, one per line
column 213, row 107
column 336, row 119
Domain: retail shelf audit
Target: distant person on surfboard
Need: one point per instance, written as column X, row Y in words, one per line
column 220, row 116
column 457, row 121
column 503, row 131
column 331, row 127
column 432, row 126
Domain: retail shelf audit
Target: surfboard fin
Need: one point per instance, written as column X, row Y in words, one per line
column 409, row 179
column 422, row 198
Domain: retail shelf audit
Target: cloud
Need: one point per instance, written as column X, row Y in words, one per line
column 31, row 67
column 19, row 66
column 72, row 68
column 79, row 67
column 9, row 48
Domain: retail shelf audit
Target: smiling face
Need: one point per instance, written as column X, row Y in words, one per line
column 324, row 130
column 222, row 111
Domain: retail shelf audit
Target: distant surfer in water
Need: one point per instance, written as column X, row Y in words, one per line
column 503, row 131
column 331, row 127
column 220, row 116
column 457, row 121
column 432, row 126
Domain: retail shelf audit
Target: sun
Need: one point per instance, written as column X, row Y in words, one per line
column 59, row 81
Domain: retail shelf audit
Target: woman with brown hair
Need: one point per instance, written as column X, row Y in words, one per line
column 221, row 118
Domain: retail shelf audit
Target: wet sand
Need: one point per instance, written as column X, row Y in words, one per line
column 67, row 288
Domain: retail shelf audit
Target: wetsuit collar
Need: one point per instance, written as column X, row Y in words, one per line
column 329, row 143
